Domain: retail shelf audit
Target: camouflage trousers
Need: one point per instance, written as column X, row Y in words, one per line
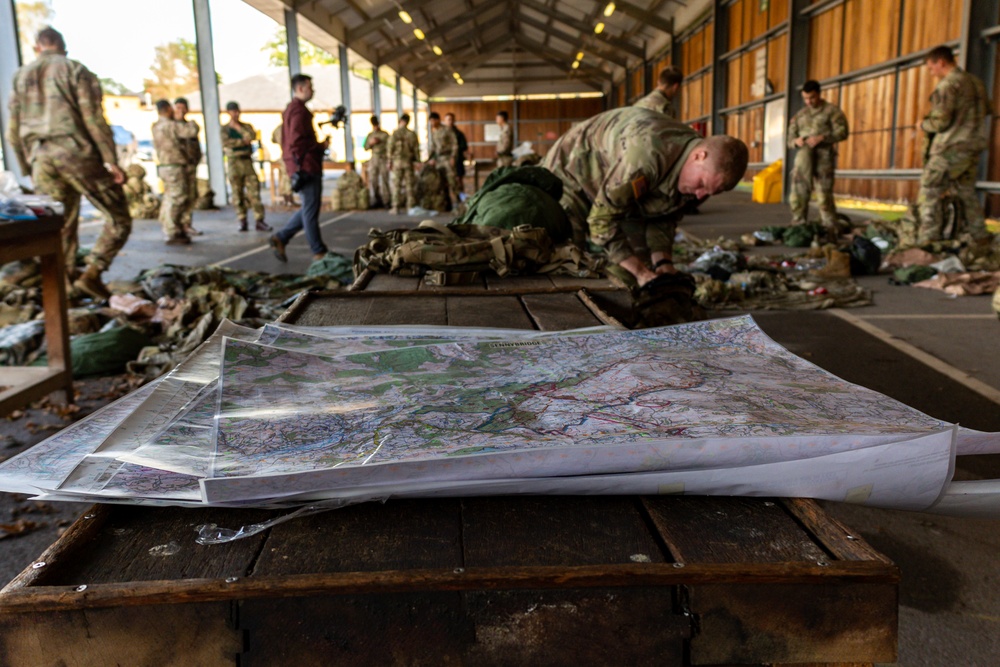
column 246, row 187
column 620, row 239
column 175, row 198
column 813, row 167
column 505, row 160
column 284, row 185
column 449, row 170
column 58, row 171
column 378, row 179
column 953, row 174
column 191, row 187
column 404, row 178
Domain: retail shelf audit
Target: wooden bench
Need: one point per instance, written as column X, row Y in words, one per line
column 665, row 580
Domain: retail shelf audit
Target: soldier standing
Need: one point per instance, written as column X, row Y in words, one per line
column 59, row 134
column 636, row 168
column 377, row 142
column 192, row 152
column 404, row 152
column 815, row 130
column 661, row 99
column 442, row 150
column 169, row 137
column 462, row 147
column 237, row 143
column 505, row 144
column 955, row 140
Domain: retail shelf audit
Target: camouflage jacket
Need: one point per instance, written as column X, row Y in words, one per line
column 190, row 144
column 58, row 97
column 350, row 180
column 236, row 141
column 657, row 101
column 505, row 144
column 959, row 105
column 169, row 136
column 404, row 148
column 377, row 142
column 827, row 120
column 443, row 144
column 625, row 163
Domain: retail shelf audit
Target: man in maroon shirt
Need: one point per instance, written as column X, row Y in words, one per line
column 304, row 154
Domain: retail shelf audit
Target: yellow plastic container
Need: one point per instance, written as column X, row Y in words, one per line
column 767, row 185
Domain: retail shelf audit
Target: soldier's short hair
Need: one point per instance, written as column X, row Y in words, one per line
column 729, row 156
column 434, row 116
column 449, row 114
column 232, row 106
column 299, row 80
column 671, row 76
column 49, row 36
column 941, row 53
column 405, row 118
column 375, row 121
column 810, row 86
column 182, row 100
column 503, row 114
column 163, row 105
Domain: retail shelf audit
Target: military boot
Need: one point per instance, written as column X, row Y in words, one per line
column 838, row 265
column 243, row 224
column 90, row 283
column 262, row 226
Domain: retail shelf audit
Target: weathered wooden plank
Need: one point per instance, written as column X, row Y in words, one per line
column 495, row 282
column 556, row 531
column 372, row 309
column 730, row 530
column 174, row 635
column 370, row 537
column 498, row 311
column 553, row 312
column 383, row 282
column 837, row 538
column 147, row 544
column 752, row 624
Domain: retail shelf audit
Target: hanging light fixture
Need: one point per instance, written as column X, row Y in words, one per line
column 576, row 64
column 599, row 28
column 419, row 33
column 405, row 17
column 437, row 50
column 579, row 56
column 610, row 9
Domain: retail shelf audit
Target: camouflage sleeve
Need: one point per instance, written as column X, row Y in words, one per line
column 415, row 147
column 14, row 133
column 89, row 95
column 793, row 131
column 449, row 145
column 839, row 125
column 942, row 113
column 611, row 207
column 185, row 130
column 230, row 138
column 365, row 144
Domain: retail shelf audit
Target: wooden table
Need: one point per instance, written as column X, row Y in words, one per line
column 20, row 240
column 663, row 580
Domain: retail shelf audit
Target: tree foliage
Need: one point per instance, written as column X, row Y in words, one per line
column 112, row 87
column 277, row 52
column 31, row 17
column 174, row 71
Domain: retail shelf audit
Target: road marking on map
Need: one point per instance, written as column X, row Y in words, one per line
column 254, row 251
column 963, row 378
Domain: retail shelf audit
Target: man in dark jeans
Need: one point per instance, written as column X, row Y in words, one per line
column 463, row 147
column 302, row 153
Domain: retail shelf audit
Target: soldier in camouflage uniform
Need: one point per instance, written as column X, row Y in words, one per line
column 636, row 168
column 377, row 142
column 815, row 130
column 662, row 98
column 142, row 203
column 192, row 152
column 404, row 151
column 237, row 143
column 955, row 134
column 505, row 143
column 59, row 135
column 169, row 137
column 351, row 188
column 442, row 150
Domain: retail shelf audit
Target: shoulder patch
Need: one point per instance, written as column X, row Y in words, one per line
column 639, row 186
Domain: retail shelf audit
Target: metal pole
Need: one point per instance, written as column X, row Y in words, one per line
column 292, row 40
column 720, row 69
column 345, row 96
column 977, row 55
column 399, row 97
column 517, row 123
column 797, row 58
column 376, row 94
column 209, row 99
column 10, row 60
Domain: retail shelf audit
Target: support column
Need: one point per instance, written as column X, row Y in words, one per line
column 292, row 41
column 376, row 94
column 978, row 56
column 517, row 123
column 796, row 73
column 399, row 97
column 720, row 71
column 416, row 114
column 209, row 87
column 10, row 60
column 345, row 96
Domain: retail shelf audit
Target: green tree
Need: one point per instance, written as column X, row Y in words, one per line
column 31, row 17
column 277, row 52
column 112, row 87
column 174, row 70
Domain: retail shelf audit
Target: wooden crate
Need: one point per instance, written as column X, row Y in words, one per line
column 665, row 580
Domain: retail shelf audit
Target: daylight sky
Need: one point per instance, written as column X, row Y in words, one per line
column 116, row 38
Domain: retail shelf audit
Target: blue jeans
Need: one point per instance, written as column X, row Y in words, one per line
column 307, row 217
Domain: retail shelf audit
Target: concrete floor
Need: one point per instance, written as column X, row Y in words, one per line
column 939, row 354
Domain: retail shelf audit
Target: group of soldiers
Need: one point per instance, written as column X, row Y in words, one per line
column 395, row 159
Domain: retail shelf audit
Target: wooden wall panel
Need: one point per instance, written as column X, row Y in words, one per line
column 778, row 13
column 927, row 23
column 777, row 68
column 659, row 66
column 736, row 36
column 870, row 28
column 749, row 64
column 915, row 87
column 733, row 78
column 757, row 19
column 868, row 106
column 583, row 107
column 620, row 95
column 706, row 97
column 638, row 82
column 825, row 44
column 709, row 51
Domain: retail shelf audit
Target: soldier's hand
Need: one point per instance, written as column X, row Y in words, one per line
column 116, row 173
column 815, row 140
column 800, row 142
column 432, row 163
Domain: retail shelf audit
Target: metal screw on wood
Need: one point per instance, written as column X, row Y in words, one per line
column 459, row 570
column 81, row 588
column 768, row 503
column 38, row 565
column 230, row 580
column 678, row 564
column 851, row 537
column 88, row 516
column 822, row 563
